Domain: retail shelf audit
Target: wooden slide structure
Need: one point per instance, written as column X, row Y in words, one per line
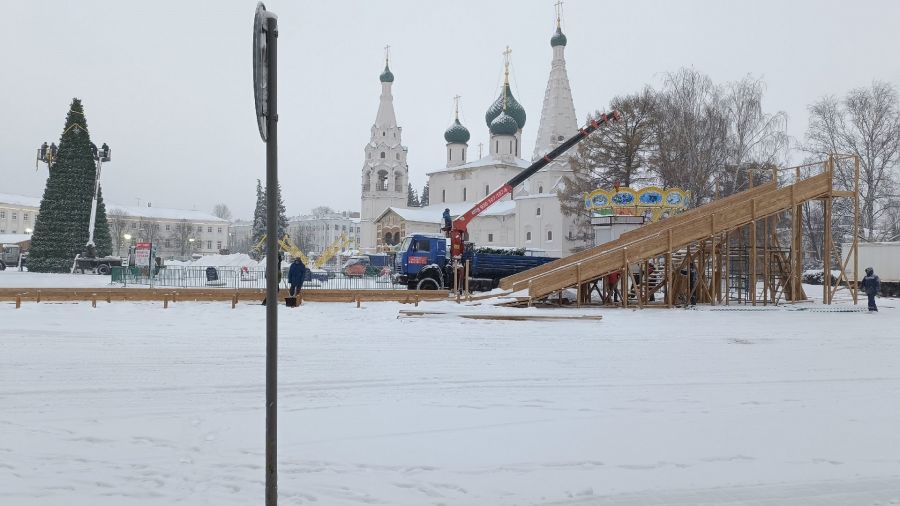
column 704, row 236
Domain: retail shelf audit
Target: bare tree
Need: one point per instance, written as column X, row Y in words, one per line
column 755, row 140
column 147, row 231
column 222, row 211
column 181, row 237
column 118, row 223
column 321, row 211
column 866, row 123
column 614, row 156
column 691, row 131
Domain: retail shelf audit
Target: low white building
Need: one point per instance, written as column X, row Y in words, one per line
column 18, row 213
column 177, row 233
column 316, row 233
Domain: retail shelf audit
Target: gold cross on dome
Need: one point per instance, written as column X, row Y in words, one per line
column 387, row 53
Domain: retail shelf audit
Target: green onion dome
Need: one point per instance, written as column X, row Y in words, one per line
column 387, row 76
column 457, row 133
column 558, row 39
column 513, row 108
column 504, row 124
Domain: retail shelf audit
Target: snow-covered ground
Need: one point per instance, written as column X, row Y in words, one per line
column 131, row 404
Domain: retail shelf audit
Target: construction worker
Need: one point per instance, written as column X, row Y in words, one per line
column 871, row 284
column 448, row 221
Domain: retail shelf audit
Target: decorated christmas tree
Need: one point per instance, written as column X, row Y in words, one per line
column 61, row 229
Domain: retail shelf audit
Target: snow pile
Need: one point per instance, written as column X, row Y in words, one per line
column 233, row 260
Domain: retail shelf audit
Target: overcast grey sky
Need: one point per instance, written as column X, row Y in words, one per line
column 169, row 84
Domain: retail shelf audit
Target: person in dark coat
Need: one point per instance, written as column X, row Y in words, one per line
column 691, row 272
column 448, row 222
column 871, row 284
column 296, row 276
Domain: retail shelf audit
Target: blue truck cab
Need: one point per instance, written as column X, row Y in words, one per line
column 423, row 263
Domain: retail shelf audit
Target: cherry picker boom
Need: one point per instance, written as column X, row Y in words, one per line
column 459, row 228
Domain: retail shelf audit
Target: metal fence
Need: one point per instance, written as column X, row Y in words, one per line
column 242, row 277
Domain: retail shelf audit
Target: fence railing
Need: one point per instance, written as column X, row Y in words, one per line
column 246, row 277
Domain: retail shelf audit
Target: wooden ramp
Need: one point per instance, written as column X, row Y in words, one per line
column 667, row 236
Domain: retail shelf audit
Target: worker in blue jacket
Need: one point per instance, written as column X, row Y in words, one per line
column 296, row 276
column 871, row 284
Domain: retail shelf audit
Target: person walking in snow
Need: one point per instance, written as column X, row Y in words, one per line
column 296, row 276
column 871, row 284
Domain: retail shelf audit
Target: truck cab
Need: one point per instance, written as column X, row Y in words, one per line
column 421, row 257
column 9, row 255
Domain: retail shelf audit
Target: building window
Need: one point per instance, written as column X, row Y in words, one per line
column 199, row 228
column 168, row 243
column 540, row 189
column 209, row 229
column 14, row 215
column 464, row 194
column 490, row 237
column 220, row 230
column 443, row 195
column 336, row 227
column 398, row 156
column 208, row 244
column 549, row 235
column 219, row 245
column 382, row 154
column 487, row 189
column 539, row 211
column 168, row 227
column 527, row 236
column 133, row 224
column 3, row 215
column 25, row 216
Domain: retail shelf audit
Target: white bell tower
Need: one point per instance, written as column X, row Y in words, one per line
column 385, row 175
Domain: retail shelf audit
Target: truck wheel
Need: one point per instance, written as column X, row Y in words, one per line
column 103, row 269
column 2, row 266
column 427, row 284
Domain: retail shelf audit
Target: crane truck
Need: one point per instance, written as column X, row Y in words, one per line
column 428, row 261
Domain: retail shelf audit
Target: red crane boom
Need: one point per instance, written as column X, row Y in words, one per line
column 459, row 228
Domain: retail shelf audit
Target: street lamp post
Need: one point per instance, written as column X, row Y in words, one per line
column 127, row 262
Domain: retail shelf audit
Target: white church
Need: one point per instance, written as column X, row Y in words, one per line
column 530, row 218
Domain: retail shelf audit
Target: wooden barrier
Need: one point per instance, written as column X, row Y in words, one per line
column 166, row 295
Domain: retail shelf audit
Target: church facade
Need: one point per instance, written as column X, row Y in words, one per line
column 530, row 218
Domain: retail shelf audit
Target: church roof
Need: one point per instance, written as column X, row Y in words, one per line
column 457, row 133
column 504, row 124
column 558, row 39
column 486, row 161
column 433, row 213
column 513, row 108
column 387, row 76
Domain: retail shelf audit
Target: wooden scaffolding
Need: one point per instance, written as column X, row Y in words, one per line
column 746, row 248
